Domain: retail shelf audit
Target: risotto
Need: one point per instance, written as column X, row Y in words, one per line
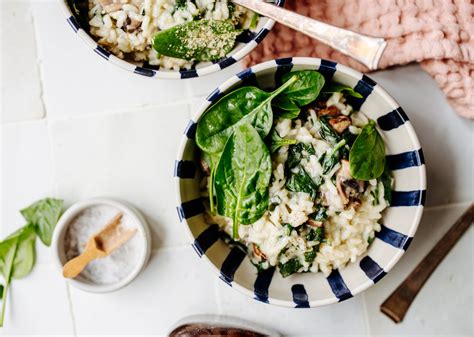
column 318, row 216
column 127, row 27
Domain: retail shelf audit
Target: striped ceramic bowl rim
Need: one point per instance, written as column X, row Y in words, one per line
column 400, row 220
column 245, row 44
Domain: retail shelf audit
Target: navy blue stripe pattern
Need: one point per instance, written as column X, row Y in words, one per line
column 190, row 208
column 248, row 77
column 144, row 71
column 338, row 286
column 184, row 169
column 262, row 283
column 102, row 52
column 284, row 66
column 392, row 120
column 261, row 35
column 188, row 73
column 365, row 86
column 231, row 264
column 227, row 62
column 372, row 269
column 73, row 23
column 327, row 69
column 190, row 130
column 246, row 36
column 408, row 198
column 394, row 238
column 214, row 96
column 406, row 159
column 300, row 297
column 206, row 239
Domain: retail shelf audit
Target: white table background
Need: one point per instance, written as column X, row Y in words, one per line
column 75, row 127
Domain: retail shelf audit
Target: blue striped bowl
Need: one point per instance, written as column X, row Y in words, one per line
column 400, row 220
column 245, row 44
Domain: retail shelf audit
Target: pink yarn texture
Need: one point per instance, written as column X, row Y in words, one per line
column 439, row 34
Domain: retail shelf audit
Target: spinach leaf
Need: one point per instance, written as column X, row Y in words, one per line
column 44, row 215
column 8, row 249
column 316, row 235
column 244, row 105
column 285, row 108
column 297, row 152
column 212, row 160
column 306, row 89
column 302, row 182
column 290, row 267
column 320, row 214
column 387, row 181
column 242, row 177
column 254, row 21
column 310, row 256
column 276, row 141
column 1, row 291
column 25, row 252
column 327, row 132
column 334, row 158
column 367, row 155
column 336, row 87
column 202, row 40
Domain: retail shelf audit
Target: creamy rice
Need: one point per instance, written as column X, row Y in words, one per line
column 349, row 227
column 127, row 27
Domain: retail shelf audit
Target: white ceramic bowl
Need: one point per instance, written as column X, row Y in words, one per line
column 400, row 220
column 245, row 44
column 61, row 229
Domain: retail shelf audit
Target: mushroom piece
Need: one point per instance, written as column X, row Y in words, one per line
column 314, row 223
column 340, row 123
column 132, row 25
column 205, row 167
column 258, row 252
column 329, row 111
column 348, row 187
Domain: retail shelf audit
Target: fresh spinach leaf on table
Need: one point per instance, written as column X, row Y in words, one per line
column 246, row 105
column 276, row 141
column 242, row 177
column 25, row 252
column 202, row 40
column 7, row 256
column 44, row 215
column 336, row 87
column 367, row 155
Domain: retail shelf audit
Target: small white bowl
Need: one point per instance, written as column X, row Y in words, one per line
column 71, row 213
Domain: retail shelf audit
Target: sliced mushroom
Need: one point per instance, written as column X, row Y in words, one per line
column 132, row 25
column 340, row 123
column 329, row 111
column 349, row 189
column 205, row 167
column 258, row 252
column 314, row 223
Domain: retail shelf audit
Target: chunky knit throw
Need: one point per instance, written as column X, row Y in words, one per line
column 439, row 34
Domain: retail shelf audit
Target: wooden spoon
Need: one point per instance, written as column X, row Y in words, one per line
column 397, row 304
column 100, row 245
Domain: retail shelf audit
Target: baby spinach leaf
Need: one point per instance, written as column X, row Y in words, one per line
column 296, row 153
column 212, row 160
column 285, row 108
column 310, row 256
column 327, row 132
column 367, row 155
column 276, row 141
column 290, row 267
column 320, row 214
column 242, row 177
column 202, row 40
column 302, row 182
column 332, row 159
column 1, row 291
column 316, row 235
column 25, row 252
column 44, row 215
column 336, row 87
column 387, row 181
column 307, row 87
column 244, row 105
column 8, row 249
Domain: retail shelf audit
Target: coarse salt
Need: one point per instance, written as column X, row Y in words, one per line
column 117, row 265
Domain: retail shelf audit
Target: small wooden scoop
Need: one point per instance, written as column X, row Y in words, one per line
column 100, row 245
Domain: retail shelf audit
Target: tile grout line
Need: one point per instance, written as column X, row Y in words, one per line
column 38, row 65
column 71, row 310
column 366, row 316
column 448, row 205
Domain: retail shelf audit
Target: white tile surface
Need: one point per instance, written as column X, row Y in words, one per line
column 38, row 305
column 126, row 155
column 175, row 284
column 77, row 81
column 20, row 96
column 444, row 306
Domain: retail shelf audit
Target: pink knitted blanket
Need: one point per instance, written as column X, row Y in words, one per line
column 439, row 34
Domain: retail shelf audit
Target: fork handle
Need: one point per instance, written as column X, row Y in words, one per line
column 365, row 49
column 397, row 304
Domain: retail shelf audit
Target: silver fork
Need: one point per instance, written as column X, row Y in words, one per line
column 365, row 49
